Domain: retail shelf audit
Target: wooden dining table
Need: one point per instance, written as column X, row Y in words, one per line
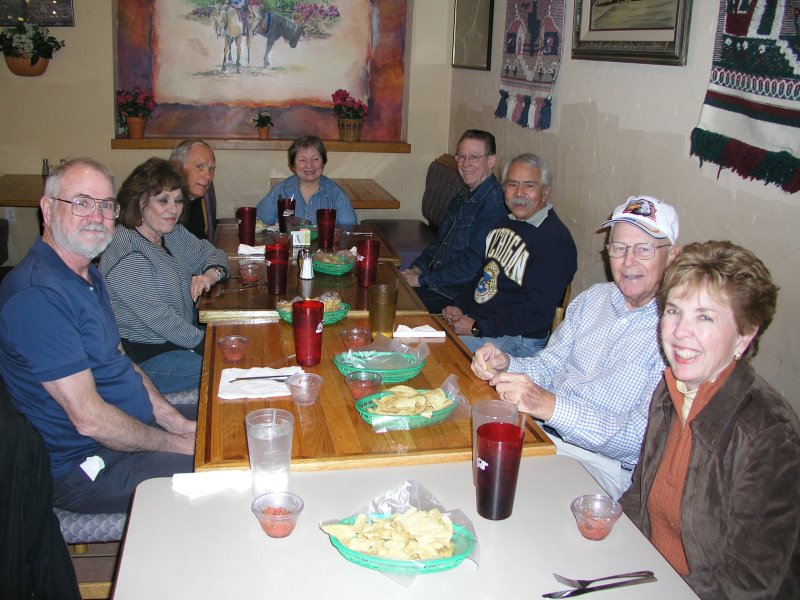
column 230, row 300
column 226, row 238
column 330, row 434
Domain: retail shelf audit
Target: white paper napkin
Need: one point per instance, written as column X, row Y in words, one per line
column 257, row 388
column 246, row 250
column 423, row 331
column 205, row 483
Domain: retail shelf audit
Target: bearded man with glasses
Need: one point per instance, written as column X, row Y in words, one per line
column 447, row 266
column 106, row 426
column 591, row 386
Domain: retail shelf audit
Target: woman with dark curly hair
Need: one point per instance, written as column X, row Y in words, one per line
column 155, row 270
column 717, row 488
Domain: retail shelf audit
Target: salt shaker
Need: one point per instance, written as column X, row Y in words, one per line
column 45, row 167
column 305, row 264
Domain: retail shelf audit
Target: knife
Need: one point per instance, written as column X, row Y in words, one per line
column 239, row 289
column 597, row 588
column 273, row 377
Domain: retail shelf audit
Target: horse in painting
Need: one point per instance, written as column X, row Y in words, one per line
column 228, row 23
column 273, row 27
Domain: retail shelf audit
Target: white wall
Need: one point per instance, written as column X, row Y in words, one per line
column 69, row 111
column 621, row 129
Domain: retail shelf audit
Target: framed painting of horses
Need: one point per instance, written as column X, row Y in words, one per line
column 212, row 64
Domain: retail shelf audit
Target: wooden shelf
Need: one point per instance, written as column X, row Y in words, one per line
column 281, row 145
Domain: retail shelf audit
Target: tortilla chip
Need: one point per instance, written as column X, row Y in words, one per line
column 412, row 535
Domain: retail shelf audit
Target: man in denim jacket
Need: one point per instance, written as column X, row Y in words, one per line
column 446, row 267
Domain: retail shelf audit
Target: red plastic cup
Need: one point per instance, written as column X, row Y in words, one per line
column 499, row 453
column 277, row 268
column 367, row 263
column 326, row 225
column 307, row 325
column 285, row 210
column 247, row 224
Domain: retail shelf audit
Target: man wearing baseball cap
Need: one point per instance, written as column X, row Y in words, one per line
column 592, row 384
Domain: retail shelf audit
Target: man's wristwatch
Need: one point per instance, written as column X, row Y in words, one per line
column 476, row 331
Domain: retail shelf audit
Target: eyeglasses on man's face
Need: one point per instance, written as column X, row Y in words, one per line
column 643, row 251
column 526, row 187
column 470, row 158
column 83, row 206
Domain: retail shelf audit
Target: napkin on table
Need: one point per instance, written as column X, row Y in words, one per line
column 258, row 388
column 246, row 250
column 423, row 331
column 204, row 483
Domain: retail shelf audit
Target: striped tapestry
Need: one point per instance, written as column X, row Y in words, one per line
column 750, row 121
column 533, row 36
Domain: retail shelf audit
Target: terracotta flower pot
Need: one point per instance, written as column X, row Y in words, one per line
column 136, row 127
column 22, row 66
column 263, row 133
column 350, row 129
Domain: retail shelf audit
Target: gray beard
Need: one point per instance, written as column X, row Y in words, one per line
column 88, row 250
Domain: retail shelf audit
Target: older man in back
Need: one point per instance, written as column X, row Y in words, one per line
column 530, row 260
column 198, row 164
column 106, row 426
column 593, row 382
column 446, row 267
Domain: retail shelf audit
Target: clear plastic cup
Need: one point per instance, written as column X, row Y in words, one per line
column 363, row 383
column 304, row 387
column 234, row 347
column 277, row 512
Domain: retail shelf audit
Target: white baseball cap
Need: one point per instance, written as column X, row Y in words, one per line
column 656, row 218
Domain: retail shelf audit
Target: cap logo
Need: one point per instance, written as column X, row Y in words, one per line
column 642, row 208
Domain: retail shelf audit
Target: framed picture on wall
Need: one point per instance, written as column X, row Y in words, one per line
column 211, row 65
column 472, row 34
column 46, row 13
column 632, row 31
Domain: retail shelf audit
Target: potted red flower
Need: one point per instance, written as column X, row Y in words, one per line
column 134, row 107
column 350, row 113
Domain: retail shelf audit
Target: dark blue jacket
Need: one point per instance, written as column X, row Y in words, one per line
column 449, row 264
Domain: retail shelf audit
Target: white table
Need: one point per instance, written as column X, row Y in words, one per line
column 213, row 547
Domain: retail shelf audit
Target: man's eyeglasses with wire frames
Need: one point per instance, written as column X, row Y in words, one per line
column 470, row 158
column 83, row 206
column 643, row 251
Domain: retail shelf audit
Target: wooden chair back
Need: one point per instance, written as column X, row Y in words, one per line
column 561, row 308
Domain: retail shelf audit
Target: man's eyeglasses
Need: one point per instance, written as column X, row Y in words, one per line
column 643, row 251
column 83, row 206
column 470, row 158
column 527, row 187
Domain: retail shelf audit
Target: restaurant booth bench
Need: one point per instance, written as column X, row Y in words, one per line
column 409, row 237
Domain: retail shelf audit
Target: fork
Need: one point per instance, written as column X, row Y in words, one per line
column 582, row 583
column 597, row 588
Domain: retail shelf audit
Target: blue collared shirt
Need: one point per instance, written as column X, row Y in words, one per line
column 603, row 364
column 329, row 195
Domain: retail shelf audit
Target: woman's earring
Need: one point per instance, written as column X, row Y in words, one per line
column 737, row 356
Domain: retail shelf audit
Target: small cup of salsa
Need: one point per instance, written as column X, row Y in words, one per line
column 234, row 347
column 277, row 512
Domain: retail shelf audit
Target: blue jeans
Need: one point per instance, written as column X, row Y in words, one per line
column 174, row 371
column 513, row 345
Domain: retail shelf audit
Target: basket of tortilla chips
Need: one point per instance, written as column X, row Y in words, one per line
column 401, row 408
column 413, row 542
column 337, row 263
column 328, row 317
column 393, row 367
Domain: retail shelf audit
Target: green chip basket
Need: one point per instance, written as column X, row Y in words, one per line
column 387, row 375
column 330, row 317
column 333, row 268
column 400, row 422
column 463, row 541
